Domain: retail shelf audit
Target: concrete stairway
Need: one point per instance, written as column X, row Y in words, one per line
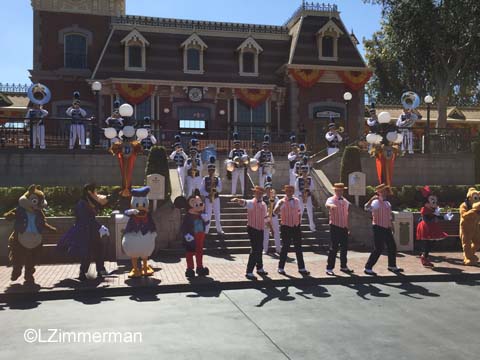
column 234, row 224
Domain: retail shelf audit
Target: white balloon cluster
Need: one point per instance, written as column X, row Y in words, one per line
column 126, row 110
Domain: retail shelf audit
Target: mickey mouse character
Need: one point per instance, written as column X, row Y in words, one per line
column 193, row 231
column 25, row 242
column 428, row 229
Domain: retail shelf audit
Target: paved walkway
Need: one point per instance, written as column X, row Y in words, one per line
column 226, row 272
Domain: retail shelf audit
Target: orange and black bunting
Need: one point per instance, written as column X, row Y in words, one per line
column 306, row 78
column 253, row 97
column 355, row 80
column 135, row 93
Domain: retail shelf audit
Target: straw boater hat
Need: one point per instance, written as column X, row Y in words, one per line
column 258, row 188
column 339, row 186
column 381, row 187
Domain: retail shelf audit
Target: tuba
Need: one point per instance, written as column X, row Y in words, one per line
column 410, row 100
column 39, row 94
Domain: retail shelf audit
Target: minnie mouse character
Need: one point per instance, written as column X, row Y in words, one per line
column 428, row 229
column 193, row 231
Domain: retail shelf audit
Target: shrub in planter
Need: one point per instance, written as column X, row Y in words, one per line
column 350, row 162
column 157, row 163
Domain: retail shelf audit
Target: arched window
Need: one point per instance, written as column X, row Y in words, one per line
column 75, row 51
column 193, row 51
column 135, row 51
column 327, row 46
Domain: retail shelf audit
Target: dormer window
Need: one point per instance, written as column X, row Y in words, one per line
column 327, row 41
column 193, row 51
column 135, row 51
column 248, row 53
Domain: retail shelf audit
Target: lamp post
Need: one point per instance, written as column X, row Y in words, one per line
column 428, row 100
column 347, row 96
column 96, row 88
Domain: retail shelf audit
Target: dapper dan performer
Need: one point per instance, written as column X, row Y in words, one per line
column 293, row 157
column 37, row 115
column 238, row 156
column 290, row 217
column 382, row 230
column 405, row 122
column 257, row 217
column 337, row 207
column 333, row 138
column 264, row 157
column 210, row 189
column 193, row 231
column 303, row 191
column 273, row 226
column 180, row 158
column 428, row 229
column 77, row 125
column 138, row 240
column 25, row 243
column 84, row 238
column 115, row 121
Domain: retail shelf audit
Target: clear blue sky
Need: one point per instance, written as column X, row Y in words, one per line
column 16, row 20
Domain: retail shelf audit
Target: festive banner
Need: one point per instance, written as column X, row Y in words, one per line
column 126, row 153
column 253, row 97
column 134, row 93
column 355, row 80
column 306, row 78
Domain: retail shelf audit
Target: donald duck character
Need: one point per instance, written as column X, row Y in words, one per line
column 139, row 236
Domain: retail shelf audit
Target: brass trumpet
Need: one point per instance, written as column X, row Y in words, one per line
column 341, row 130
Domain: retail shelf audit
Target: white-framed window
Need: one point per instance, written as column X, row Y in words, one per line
column 193, row 53
column 248, row 52
column 327, row 41
column 75, row 51
column 135, row 51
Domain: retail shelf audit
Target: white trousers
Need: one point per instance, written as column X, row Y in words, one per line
column 332, row 150
column 407, row 143
column 293, row 176
column 238, row 174
column 181, row 175
column 77, row 131
column 308, row 205
column 215, row 209
column 39, row 134
column 192, row 184
column 276, row 235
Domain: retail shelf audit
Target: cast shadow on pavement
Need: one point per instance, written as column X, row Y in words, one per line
column 312, row 291
column 275, row 293
column 367, row 289
column 410, row 290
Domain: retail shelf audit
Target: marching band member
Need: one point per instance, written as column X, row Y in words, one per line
column 238, row 172
column 303, row 191
column 115, row 121
column 77, row 126
column 194, row 170
column 382, row 230
column 256, row 218
column 150, row 140
column 264, row 156
column 372, row 121
column 180, row 158
column 333, row 138
column 210, row 189
column 36, row 115
column 337, row 207
column 405, row 122
column 271, row 200
column 293, row 157
column 290, row 212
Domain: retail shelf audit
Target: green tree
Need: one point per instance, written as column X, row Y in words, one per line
column 157, row 163
column 428, row 46
column 350, row 163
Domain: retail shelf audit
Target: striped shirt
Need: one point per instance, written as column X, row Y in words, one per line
column 381, row 213
column 290, row 212
column 339, row 215
column 256, row 213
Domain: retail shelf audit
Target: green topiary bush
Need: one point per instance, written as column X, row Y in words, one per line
column 350, row 163
column 476, row 153
column 157, row 163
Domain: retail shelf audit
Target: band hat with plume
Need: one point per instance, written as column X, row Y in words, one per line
column 236, row 140
column 372, row 108
column 293, row 142
column 116, row 106
column 211, row 163
column 178, row 141
column 76, row 98
column 332, row 124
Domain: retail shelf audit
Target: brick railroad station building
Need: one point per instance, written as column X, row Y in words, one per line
column 189, row 74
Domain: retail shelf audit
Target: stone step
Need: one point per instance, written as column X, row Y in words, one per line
column 219, row 250
column 245, row 241
column 239, row 229
column 243, row 222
